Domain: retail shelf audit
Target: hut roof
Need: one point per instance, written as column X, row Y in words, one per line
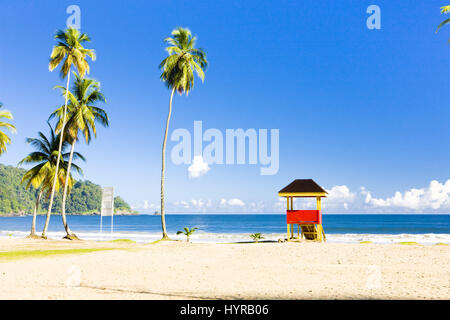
column 302, row 188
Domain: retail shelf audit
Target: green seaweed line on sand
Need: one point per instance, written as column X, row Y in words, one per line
column 409, row 243
column 164, row 240
column 122, row 241
column 21, row 254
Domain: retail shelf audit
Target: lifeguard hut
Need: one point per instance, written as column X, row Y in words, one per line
column 308, row 221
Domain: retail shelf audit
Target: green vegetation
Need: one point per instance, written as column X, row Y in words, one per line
column 121, row 206
column 363, row 242
column 444, row 10
column 158, row 241
column 82, row 114
column 69, row 48
column 178, row 75
column 41, row 175
column 441, row 244
column 409, row 243
column 4, row 138
column 84, row 198
column 14, row 197
column 123, row 241
column 187, row 232
column 21, row 254
column 256, row 237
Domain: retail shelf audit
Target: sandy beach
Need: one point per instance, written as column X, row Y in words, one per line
column 180, row 270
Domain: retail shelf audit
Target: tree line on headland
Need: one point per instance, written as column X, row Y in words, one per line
column 84, row 198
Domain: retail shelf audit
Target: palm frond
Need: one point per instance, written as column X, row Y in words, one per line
column 70, row 51
column 445, row 9
column 443, row 23
column 45, row 158
column 182, row 61
column 82, row 112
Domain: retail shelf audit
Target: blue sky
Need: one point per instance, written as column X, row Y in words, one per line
column 355, row 107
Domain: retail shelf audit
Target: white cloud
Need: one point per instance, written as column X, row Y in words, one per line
column 436, row 196
column 340, row 193
column 339, row 197
column 236, row 202
column 198, row 167
column 184, row 204
column 197, row 203
column 201, row 205
column 231, row 203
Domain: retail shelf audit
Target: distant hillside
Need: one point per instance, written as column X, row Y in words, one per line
column 85, row 197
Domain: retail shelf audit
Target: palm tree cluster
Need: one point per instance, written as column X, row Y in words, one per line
column 75, row 119
column 41, row 175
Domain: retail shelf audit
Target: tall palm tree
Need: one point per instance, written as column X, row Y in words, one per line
column 81, row 117
column 178, row 74
column 41, row 175
column 4, row 138
column 70, row 49
column 444, row 10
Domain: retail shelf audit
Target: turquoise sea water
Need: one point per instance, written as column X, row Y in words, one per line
column 379, row 228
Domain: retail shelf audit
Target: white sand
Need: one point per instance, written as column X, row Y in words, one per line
column 176, row 270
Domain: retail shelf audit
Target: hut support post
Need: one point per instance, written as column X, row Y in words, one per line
column 288, row 226
column 320, row 231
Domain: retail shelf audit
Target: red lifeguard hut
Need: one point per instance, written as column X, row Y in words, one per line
column 308, row 221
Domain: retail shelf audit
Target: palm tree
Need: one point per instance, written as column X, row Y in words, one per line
column 256, row 237
column 187, row 232
column 71, row 50
column 178, row 74
column 41, row 175
column 444, row 10
column 4, row 139
column 81, row 116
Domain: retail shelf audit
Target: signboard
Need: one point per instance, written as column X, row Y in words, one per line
column 107, row 207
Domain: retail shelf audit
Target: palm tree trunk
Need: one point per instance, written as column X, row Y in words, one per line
column 69, row 234
column 52, row 195
column 163, row 219
column 33, row 222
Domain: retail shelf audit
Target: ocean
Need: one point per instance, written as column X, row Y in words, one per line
column 344, row 228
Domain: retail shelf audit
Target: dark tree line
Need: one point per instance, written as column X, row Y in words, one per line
column 84, row 198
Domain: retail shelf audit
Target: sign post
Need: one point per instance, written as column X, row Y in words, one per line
column 107, row 208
